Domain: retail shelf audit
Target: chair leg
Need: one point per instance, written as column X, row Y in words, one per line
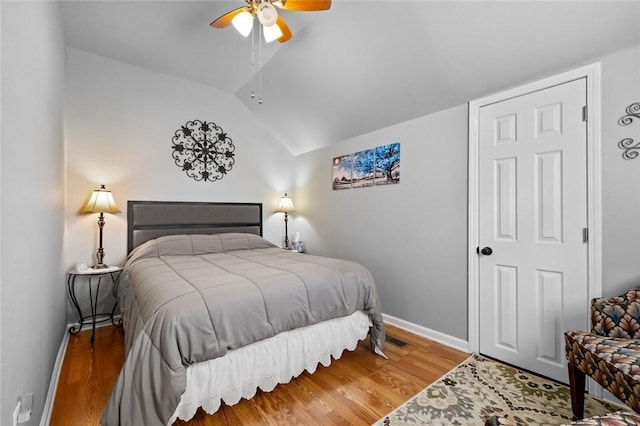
column 576, row 385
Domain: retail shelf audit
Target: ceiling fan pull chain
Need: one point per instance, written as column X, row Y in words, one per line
column 253, row 61
column 260, row 65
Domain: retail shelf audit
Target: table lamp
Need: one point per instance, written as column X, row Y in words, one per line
column 102, row 202
column 285, row 206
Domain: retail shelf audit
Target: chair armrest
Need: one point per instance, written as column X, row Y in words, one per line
column 617, row 316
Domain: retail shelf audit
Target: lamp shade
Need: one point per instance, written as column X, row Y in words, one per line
column 267, row 14
column 285, row 205
column 271, row 33
column 243, row 22
column 101, row 201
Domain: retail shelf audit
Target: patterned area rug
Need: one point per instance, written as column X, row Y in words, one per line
column 480, row 388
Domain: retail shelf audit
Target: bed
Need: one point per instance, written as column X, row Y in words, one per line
column 212, row 311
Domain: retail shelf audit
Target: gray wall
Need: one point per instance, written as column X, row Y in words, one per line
column 620, row 178
column 413, row 235
column 32, row 198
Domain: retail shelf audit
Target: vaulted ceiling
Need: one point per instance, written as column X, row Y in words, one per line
column 362, row 65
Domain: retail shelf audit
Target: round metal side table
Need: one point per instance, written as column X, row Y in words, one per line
column 94, row 318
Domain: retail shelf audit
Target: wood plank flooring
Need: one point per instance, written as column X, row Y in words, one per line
column 357, row 389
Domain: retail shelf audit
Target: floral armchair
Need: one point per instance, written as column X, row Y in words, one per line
column 609, row 353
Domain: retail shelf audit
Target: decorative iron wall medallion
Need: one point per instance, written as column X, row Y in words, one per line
column 633, row 111
column 628, row 145
column 203, row 151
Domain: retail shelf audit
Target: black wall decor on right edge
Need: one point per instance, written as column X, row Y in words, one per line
column 628, row 145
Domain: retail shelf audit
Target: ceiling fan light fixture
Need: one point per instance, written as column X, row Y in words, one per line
column 267, row 14
column 272, row 33
column 243, row 22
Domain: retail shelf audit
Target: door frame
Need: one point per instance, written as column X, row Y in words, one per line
column 594, row 183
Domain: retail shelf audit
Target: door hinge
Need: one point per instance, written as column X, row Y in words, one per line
column 585, row 235
column 584, row 113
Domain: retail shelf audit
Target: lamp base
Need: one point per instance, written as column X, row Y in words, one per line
column 100, row 266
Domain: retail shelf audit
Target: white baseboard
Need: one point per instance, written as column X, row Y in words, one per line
column 55, row 376
column 87, row 325
column 436, row 336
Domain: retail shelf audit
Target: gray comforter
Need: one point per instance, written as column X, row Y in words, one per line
column 187, row 299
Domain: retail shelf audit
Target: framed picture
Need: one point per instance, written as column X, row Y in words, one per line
column 362, row 174
column 342, row 169
column 387, row 164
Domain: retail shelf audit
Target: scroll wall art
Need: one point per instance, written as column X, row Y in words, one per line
column 628, row 145
column 203, row 151
column 376, row 166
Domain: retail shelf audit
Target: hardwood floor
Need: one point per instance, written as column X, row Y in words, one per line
column 357, row 389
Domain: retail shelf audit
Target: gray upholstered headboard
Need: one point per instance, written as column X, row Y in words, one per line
column 147, row 220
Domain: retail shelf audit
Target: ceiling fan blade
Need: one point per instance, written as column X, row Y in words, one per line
column 225, row 20
column 303, row 5
column 286, row 32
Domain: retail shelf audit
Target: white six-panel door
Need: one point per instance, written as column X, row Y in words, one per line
column 532, row 215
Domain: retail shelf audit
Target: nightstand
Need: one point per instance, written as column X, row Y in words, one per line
column 91, row 277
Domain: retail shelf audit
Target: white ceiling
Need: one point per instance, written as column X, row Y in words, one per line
column 362, row 65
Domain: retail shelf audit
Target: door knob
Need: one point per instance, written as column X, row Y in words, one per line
column 486, row 251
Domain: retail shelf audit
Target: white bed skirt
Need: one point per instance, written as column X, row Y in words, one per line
column 265, row 364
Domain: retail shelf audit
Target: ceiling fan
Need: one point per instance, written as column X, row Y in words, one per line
column 274, row 27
